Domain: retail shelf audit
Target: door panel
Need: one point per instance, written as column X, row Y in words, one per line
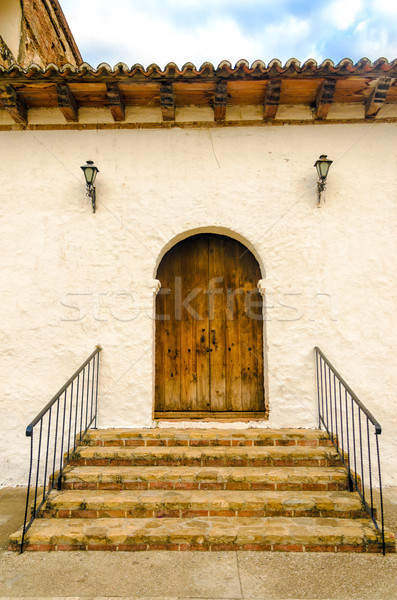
column 217, row 322
column 172, row 341
column 209, row 328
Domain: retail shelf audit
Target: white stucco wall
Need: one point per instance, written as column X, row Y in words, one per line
column 71, row 279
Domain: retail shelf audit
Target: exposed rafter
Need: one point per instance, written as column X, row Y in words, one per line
column 167, row 100
column 13, row 104
column 272, row 98
column 67, row 103
column 377, row 98
column 220, row 101
column 324, row 98
column 116, row 103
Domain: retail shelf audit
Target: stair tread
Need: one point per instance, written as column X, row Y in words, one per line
column 196, row 433
column 314, row 531
column 181, row 473
column 188, row 451
column 221, row 498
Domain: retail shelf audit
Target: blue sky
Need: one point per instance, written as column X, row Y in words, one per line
column 160, row 31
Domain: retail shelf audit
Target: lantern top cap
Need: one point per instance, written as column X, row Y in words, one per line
column 90, row 163
column 323, row 158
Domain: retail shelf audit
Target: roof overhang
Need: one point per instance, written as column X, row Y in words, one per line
column 368, row 85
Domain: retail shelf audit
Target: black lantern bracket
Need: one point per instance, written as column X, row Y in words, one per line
column 90, row 172
column 322, row 165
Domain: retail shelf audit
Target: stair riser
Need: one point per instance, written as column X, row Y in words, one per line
column 206, row 547
column 143, row 513
column 205, row 443
column 185, row 485
column 224, row 461
column 205, row 437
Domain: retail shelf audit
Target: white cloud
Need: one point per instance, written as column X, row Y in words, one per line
column 386, row 7
column 342, row 13
column 213, row 30
column 361, row 26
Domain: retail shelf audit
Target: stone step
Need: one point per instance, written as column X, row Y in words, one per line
column 250, row 456
column 206, row 437
column 196, row 503
column 296, row 534
column 205, row 478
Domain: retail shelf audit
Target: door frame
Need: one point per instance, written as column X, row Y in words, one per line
column 226, row 417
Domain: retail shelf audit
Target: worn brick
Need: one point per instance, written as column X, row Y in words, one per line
column 288, row 548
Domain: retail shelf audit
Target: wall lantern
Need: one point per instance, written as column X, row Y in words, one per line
column 90, row 171
column 322, row 165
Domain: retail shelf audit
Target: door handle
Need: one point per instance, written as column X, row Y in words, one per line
column 213, row 336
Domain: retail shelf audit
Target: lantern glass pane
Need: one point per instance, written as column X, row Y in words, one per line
column 324, row 166
column 89, row 174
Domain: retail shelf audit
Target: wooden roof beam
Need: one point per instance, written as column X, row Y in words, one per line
column 220, row 101
column 167, row 101
column 115, row 101
column 377, row 97
column 13, row 104
column 272, row 98
column 67, row 103
column 324, row 98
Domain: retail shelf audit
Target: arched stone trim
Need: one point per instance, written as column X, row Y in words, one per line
column 261, row 287
column 156, row 286
column 211, row 229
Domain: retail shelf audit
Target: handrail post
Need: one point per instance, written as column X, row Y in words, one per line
column 28, row 490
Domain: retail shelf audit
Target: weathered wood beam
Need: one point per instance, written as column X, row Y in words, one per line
column 272, row 98
column 220, row 101
column 377, row 97
column 13, row 104
column 324, row 98
column 115, row 101
column 67, row 103
column 167, row 100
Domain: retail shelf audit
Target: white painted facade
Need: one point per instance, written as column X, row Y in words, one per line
column 71, row 279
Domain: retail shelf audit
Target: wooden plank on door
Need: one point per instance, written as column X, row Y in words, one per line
column 189, row 316
column 160, row 317
column 232, row 343
column 172, row 332
column 251, row 334
column 202, row 324
column 217, row 322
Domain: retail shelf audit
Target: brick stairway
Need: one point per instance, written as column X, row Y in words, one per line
column 158, row 489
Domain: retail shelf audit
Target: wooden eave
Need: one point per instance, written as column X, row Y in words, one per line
column 311, row 85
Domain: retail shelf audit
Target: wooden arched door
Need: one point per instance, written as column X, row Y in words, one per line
column 209, row 331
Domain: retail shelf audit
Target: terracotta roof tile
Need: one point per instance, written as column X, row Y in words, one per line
column 242, row 69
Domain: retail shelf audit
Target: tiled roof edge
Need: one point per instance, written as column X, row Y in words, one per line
column 225, row 69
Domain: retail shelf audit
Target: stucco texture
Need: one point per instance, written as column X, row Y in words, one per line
column 71, row 279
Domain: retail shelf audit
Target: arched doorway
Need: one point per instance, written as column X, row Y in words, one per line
column 209, row 331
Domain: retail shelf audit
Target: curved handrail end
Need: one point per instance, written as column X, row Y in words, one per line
column 29, row 431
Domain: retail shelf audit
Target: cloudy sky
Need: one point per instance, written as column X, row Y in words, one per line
column 161, row 31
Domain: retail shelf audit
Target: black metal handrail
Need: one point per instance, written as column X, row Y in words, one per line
column 347, row 422
column 75, row 406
